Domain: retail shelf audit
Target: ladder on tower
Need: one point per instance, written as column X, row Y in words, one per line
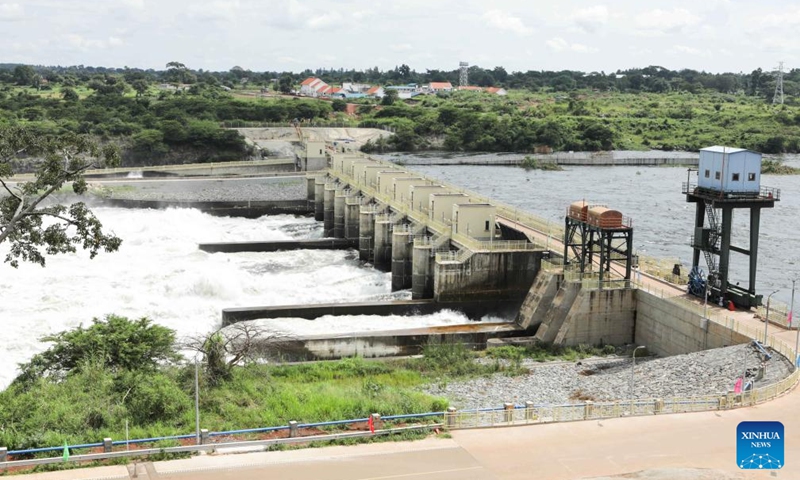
column 714, row 236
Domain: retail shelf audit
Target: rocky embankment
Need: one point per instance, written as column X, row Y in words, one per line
column 607, row 379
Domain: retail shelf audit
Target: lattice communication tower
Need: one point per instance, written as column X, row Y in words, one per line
column 463, row 78
column 778, row 97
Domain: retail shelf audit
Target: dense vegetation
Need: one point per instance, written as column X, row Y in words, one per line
column 93, row 379
column 175, row 115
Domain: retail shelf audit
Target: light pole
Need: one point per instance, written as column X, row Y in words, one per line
column 197, row 400
column 791, row 324
column 633, row 368
column 766, row 320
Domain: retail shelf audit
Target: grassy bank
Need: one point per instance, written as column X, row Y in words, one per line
column 96, row 401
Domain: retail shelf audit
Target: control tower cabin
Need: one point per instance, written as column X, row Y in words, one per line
column 727, row 179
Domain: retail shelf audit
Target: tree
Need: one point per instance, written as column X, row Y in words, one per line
column 24, row 75
column 285, row 84
column 69, row 94
column 57, row 161
column 115, row 342
column 237, row 344
column 141, row 86
column 389, row 97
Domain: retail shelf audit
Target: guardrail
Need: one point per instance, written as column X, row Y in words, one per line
column 209, row 446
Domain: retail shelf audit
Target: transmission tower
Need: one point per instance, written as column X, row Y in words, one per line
column 778, row 97
column 463, row 78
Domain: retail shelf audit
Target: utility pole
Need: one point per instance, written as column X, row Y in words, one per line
column 778, row 97
column 766, row 320
column 197, row 400
column 791, row 324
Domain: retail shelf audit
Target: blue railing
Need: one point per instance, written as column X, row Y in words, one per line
column 219, row 434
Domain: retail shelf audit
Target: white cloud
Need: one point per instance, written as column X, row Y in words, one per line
column 362, row 14
column 591, row 19
column 504, row 21
column 133, row 3
column 659, row 22
column 325, row 20
column 226, row 10
column 685, row 50
column 558, row 44
column 401, row 47
column 80, row 42
column 11, row 11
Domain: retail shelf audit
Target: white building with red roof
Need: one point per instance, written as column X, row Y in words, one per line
column 313, row 87
column 436, row 87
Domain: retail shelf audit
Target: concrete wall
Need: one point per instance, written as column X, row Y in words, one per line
column 385, row 179
column 538, row 300
column 489, row 275
column 599, row 317
column 557, row 311
column 401, row 191
column 420, row 196
column 666, row 328
column 475, row 220
column 440, row 207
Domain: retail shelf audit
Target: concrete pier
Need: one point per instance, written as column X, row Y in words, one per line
column 319, row 198
column 311, row 190
column 402, row 248
column 383, row 243
column 321, row 244
column 338, row 212
column 330, row 195
column 423, row 262
column 366, row 232
column 352, row 219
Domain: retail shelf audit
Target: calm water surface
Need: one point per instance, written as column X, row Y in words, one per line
column 651, row 196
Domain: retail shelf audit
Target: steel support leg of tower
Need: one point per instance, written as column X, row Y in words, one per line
column 699, row 220
column 755, row 219
column 725, row 250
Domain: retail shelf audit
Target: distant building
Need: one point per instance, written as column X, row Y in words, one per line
column 313, row 87
column 355, row 87
column 406, row 91
column 470, row 88
column 497, row 91
column 437, row 87
column 378, row 92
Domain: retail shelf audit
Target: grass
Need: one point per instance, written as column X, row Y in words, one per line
column 776, row 167
column 94, row 403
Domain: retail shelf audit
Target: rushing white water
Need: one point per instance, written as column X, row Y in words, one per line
column 160, row 273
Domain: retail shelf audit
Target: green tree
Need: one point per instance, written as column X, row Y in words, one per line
column 140, row 85
column 24, row 75
column 58, row 161
column 389, row 97
column 69, row 94
column 115, row 342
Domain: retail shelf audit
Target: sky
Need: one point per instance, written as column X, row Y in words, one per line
column 293, row 35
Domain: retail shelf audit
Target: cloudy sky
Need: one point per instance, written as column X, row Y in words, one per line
column 711, row 35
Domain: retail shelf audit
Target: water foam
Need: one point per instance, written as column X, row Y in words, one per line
column 160, row 273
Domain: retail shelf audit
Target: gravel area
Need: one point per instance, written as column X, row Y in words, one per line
column 607, row 379
column 205, row 190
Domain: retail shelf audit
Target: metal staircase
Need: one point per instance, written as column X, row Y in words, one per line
column 714, row 236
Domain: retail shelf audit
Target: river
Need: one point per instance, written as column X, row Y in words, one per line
column 651, row 196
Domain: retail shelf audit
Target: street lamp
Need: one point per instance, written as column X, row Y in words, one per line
column 791, row 324
column 766, row 320
column 633, row 367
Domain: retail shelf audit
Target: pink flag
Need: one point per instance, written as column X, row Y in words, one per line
column 790, row 319
column 737, row 388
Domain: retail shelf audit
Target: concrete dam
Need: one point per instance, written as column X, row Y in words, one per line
column 456, row 250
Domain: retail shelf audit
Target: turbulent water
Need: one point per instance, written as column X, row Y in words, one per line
column 651, row 196
column 160, row 273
